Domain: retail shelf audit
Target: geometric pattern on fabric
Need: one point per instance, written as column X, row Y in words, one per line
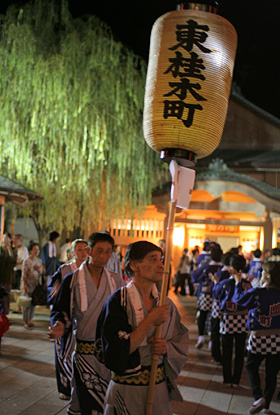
column 205, row 302
column 233, row 323
column 120, row 407
column 264, row 344
column 215, row 312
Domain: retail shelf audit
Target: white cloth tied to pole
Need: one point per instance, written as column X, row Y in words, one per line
column 182, row 184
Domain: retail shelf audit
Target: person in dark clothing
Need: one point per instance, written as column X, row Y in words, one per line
column 183, row 274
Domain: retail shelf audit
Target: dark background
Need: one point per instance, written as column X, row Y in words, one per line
column 257, row 64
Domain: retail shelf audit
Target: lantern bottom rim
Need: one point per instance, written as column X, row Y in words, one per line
column 183, row 157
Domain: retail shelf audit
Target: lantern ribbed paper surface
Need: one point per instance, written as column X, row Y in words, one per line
column 188, row 81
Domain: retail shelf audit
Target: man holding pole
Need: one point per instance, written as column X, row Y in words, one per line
column 126, row 328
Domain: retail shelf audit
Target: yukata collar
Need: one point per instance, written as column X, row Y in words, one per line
column 82, row 283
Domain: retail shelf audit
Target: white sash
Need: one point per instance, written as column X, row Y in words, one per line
column 136, row 303
column 82, row 285
column 52, row 250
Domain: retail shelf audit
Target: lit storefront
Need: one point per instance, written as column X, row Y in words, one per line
column 227, row 207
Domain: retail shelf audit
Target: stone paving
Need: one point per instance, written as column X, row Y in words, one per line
column 28, row 384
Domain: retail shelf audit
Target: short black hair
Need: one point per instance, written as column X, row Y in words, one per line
column 226, row 257
column 53, row 235
column 238, row 262
column 257, row 253
column 216, row 253
column 100, row 237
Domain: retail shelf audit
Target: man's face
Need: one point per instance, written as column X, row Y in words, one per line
column 81, row 251
column 100, row 253
column 150, row 268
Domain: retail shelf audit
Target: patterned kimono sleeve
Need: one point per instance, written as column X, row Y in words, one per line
column 245, row 298
column 55, row 278
column 113, row 333
column 177, row 337
column 61, row 305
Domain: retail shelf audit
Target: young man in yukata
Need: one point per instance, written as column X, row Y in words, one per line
column 78, row 304
column 63, row 350
column 125, row 337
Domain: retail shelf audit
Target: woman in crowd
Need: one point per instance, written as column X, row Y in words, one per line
column 264, row 325
column 32, row 271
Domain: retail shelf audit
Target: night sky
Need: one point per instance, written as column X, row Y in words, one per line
column 257, row 67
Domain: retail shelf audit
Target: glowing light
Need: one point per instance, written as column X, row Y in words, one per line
column 178, row 236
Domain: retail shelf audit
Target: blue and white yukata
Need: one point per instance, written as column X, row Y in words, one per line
column 232, row 329
column 78, row 305
column 204, row 293
column 255, row 272
column 63, row 347
column 264, row 340
column 127, row 391
column 215, row 317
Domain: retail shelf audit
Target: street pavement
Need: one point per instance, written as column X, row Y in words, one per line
column 28, row 384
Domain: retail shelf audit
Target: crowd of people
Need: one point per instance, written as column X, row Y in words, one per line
column 113, row 323
column 238, row 300
column 103, row 317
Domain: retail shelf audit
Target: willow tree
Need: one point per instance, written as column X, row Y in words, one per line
column 71, row 101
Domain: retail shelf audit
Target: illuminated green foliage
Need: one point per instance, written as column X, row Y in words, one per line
column 71, row 101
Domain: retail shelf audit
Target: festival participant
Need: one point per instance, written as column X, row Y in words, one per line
column 64, row 349
column 219, row 276
column 233, row 323
column 204, row 257
column 255, row 269
column 264, row 326
column 80, row 299
column 204, row 291
column 125, row 331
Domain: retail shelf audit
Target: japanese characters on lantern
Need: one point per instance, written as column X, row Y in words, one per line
column 187, row 68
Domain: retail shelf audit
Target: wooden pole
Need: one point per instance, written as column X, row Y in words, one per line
column 171, row 218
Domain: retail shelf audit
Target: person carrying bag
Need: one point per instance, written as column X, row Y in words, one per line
column 31, row 284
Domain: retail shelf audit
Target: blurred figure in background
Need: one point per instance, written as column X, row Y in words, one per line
column 49, row 255
column 8, row 259
column 183, row 274
column 32, row 271
column 22, row 254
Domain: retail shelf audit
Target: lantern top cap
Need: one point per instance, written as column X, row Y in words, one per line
column 210, row 6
